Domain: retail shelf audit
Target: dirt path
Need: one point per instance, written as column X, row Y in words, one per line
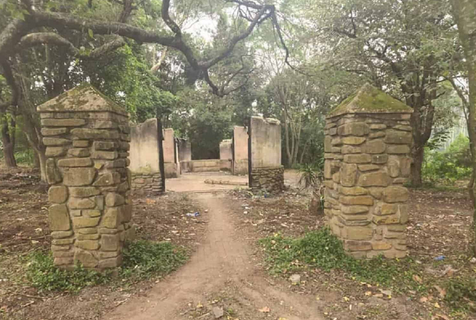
column 223, row 262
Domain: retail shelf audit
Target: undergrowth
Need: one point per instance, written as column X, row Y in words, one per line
column 141, row 260
column 322, row 250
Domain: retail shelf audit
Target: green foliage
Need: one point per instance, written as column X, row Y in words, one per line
column 321, row 249
column 141, row 260
column 449, row 165
column 459, row 291
column 44, row 275
column 310, row 177
column 26, row 157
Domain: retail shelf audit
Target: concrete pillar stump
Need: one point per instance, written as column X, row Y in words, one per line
column 367, row 161
column 87, row 142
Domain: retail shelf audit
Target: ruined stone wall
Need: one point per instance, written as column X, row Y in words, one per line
column 207, row 165
column 147, row 183
column 225, row 150
column 240, row 150
column 267, row 173
column 366, row 164
column 87, row 140
column 270, row 179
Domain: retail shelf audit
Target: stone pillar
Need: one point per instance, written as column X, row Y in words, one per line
column 170, row 157
column 87, row 140
column 240, row 150
column 267, row 173
column 367, row 161
column 144, row 156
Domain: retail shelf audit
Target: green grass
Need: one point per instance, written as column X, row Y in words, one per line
column 321, row 249
column 141, row 260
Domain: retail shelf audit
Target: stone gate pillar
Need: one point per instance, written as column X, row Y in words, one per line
column 87, row 140
column 367, row 148
column 266, row 172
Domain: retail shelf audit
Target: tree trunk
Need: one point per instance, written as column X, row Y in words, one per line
column 465, row 14
column 416, row 168
column 8, row 140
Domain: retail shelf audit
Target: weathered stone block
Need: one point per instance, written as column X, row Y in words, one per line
column 80, row 143
column 84, row 192
column 59, row 218
column 61, row 234
column 108, row 179
column 81, row 203
column 376, row 135
column 112, row 218
column 114, row 199
column 398, row 137
column 368, row 167
column 374, row 146
column 395, row 194
column 353, row 245
column 356, row 200
column 75, row 162
column 357, row 158
column 57, row 194
column 354, row 129
column 105, row 155
column 386, row 209
column 88, row 230
column 358, row 233
column 55, row 152
column 109, row 242
column 379, row 158
column 388, row 219
column 77, row 177
column 62, row 122
column 87, row 133
column 87, row 244
column 53, row 132
column 78, row 152
column 380, row 245
column 346, row 149
column 354, row 141
column 398, row 149
column 348, row 174
column 393, row 168
column 356, row 191
column 377, row 126
column 374, row 179
column 86, row 258
column 91, row 213
column 55, row 141
column 83, row 222
column 327, row 144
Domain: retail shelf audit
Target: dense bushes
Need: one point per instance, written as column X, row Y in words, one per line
column 450, row 165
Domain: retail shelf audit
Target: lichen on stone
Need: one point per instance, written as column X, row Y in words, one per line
column 369, row 99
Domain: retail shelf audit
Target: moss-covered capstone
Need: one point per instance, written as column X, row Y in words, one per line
column 369, row 99
column 83, row 98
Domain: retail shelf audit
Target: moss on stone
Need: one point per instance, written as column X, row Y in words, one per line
column 369, row 99
column 84, row 97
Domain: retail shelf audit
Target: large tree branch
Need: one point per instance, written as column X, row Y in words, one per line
column 8, row 74
column 40, row 38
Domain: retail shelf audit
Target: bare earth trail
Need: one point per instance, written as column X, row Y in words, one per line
column 224, row 260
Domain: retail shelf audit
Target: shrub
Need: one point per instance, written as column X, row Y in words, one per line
column 449, row 165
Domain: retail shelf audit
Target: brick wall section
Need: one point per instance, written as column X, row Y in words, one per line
column 87, row 140
column 147, row 183
column 270, row 179
column 366, row 164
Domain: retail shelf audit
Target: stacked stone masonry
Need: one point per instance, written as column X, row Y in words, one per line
column 87, row 143
column 366, row 165
column 269, row 179
column 147, row 183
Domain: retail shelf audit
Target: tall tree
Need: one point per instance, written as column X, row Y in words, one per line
column 401, row 46
column 465, row 14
